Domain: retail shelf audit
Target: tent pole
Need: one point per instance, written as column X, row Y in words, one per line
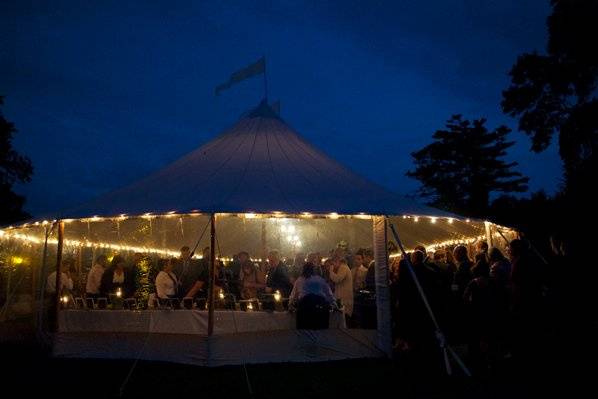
column 58, row 272
column 212, row 274
column 379, row 231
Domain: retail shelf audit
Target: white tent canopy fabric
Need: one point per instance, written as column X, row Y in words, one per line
column 259, row 165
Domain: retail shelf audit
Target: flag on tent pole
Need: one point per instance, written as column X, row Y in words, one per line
column 249, row 71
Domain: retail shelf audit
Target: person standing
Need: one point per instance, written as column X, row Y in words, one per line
column 166, row 281
column 278, row 276
column 340, row 274
column 94, row 278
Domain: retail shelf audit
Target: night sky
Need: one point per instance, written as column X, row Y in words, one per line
column 103, row 94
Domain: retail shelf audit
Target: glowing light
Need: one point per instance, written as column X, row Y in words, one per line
column 306, row 214
column 467, row 220
column 64, row 299
column 249, row 306
column 450, row 220
column 250, row 216
column 416, row 219
column 17, row 260
column 277, row 296
column 221, row 294
column 119, row 293
column 433, row 219
column 333, row 215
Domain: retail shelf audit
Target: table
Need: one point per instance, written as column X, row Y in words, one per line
column 180, row 321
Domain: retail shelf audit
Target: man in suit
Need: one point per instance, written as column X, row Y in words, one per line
column 192, row 275
column 278, row 276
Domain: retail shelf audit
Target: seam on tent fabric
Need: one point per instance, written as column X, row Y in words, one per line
column 292, row 163
column 217, row 170
column 247, row 163
column 284, row 196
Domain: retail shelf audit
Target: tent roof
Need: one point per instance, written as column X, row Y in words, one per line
column 259, row 165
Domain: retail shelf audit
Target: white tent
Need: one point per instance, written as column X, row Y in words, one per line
column 259, row 165
column 258, row 168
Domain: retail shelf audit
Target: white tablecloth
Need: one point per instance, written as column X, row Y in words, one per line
column 180, row 321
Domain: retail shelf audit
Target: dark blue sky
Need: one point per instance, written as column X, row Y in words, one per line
column 104, row 93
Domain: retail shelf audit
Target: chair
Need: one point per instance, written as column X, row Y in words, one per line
column 102, row 303
column 80, row 303
column 188, row 303
column 90, row 303
column 130, row 303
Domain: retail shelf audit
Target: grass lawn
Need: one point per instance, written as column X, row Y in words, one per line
column 29, row 370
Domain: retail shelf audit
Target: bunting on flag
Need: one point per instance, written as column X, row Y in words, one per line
column 249, row 71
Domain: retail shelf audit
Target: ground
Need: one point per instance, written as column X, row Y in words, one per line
column 28, row 368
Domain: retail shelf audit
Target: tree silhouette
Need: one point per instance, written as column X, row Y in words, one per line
column 556, row 93
column 464, row 165
column 13, row 168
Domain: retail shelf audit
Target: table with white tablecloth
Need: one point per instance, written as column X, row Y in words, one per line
column 180, row 321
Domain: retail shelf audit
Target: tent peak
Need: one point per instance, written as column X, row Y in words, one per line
column 263, row 110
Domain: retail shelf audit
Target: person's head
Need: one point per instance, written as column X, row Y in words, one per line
column 342, row 245
column 368, row 256
column 516, row 248
column 102, row 260
column 118, row 262
column 339, row 253
column 205, row 253
column 422, row 249
column 460, row 253
column 67, row 264
column 273, row 258
column 185, row 252
column 482, row 247
column 308, row 270
column 314, row 258
column 328, row 263
column 243, row 257
column 494, row 255
column 166, row 264
column 357, row 260
column 392, row 247
column 440, row 256
column 417, row 257
column 247, row 268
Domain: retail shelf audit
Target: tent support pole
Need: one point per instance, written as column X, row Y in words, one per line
column 212, row 274
column 382, row 287
column 58, row 272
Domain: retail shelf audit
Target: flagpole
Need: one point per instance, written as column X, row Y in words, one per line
column 265, row 81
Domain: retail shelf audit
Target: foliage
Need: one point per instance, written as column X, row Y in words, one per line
column 13, row 168
column 555, row 93
column 464, row 165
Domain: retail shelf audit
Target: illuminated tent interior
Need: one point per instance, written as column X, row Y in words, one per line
column 267, row 189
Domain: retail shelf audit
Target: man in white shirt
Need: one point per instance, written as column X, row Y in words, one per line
column 358, row 272
column 94, row 278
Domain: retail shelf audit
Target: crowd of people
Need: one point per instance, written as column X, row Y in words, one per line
column 479, row 295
